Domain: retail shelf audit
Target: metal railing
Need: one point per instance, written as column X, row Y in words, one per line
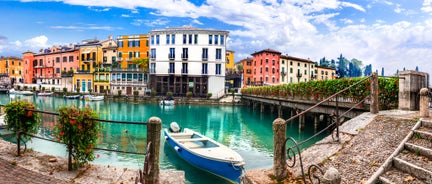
column 151, row 152
column 292, row 151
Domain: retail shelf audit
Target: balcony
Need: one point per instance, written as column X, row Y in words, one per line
column 283, row 73
column 88, row 60
column 185, row 56
column 152, row 58
column 171, row 56
column 126, row 70
column 171, row 70
column 205, row 58
column 43, row 66
column 299, row 75
column 83, row 71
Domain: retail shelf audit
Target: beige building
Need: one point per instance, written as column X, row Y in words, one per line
column 325, row 73
column 294, row 70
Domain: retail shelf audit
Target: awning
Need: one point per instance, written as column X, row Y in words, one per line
column 85, row 52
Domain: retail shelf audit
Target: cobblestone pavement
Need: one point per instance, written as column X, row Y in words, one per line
column 13, row 174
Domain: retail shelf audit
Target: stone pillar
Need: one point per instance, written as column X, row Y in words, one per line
column 279, row 111
column 262, row 107
column 331, row 176
column 271, row 109
column 301, row 122
column 279, row 159
column 410, row 83
column 316, row 122
column 374, row 106
column 424, row 102
column 154, row 126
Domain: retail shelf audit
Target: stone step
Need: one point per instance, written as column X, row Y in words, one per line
column 396, row 176
column 423, row 132
column 414, row 169
column 420, row 146
column 427, row 124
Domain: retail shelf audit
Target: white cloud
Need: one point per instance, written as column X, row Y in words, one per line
column 427, row 6
column 88, row 27
column 37, row 42
column 150, row 23
column 125, row 15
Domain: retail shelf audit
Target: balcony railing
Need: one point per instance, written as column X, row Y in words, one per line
column 83, row 71
column 126, row 70
column 184, row 71
column 171, row 56
column 185, row 56
column 43, row 66
column 171, row 70
column 205, row 58
column 299, row 75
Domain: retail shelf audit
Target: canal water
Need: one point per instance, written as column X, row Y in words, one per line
column 241, row 128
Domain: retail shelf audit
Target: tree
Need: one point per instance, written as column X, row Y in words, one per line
column 417, row 69
column 382, row 71
column 342, row 68
column 324, row 62
column 354, row 69
column 368, row 70
column 240, row 68
column 142, row 63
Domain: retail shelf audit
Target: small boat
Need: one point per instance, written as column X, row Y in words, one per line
column 72, row 96
column 96, row 98
column 12, row 91
column 26, row 93
column 205, row 153
column 2, row 121
column 167, row 102
column 45, row 94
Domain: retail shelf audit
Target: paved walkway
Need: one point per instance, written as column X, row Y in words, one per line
column 11, row 174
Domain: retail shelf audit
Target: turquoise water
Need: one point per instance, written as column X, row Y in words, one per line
column 244, row 130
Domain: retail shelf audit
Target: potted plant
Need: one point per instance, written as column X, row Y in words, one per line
column 119, row 92
column 64, row 90
column 79, row 130
column 209, row 95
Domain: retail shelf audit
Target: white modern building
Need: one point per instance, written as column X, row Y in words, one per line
column 187, row 59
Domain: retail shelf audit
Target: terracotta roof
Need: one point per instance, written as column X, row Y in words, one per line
column 267, row 50
column 296, row 58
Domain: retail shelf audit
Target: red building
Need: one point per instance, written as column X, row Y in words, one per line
column 265, row 64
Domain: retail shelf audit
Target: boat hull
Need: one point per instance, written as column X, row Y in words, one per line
column 223, row 169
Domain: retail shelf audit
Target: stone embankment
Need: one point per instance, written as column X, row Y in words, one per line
column 365, row 143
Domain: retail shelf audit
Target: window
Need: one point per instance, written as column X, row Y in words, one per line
column 184, row 39
column 305, row 72
column 266, row 61
column 185, row 54
column 222, row 41
column 210, row 39
column 131, row 43
column 167, row 39
column 152, row 39
column 204, row 53
column 190, row 39
column 291, row 70
column 216, row 38
column 171, row 54
column 184, row 68
column 120, row 54
column 147, row 43
column 218, row 53
column 57, row 59
column 130, row 55
column 273, row 70
column 171, row 68
column 218, row 69
column 153, row 53
column 196, row 39
column 152, row 67
column 137, row 43
column 57, row 70
column 273, row 62
column 291, row 63
column 71, row 58
column 137, row 54
column 120, row 44
column 173, row 39
column 266, row 69
column 204, row 68
column 157, row 39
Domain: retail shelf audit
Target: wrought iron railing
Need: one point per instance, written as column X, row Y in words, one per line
column 294, row 150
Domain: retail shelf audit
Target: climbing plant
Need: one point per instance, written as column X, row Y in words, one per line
column 20, row 118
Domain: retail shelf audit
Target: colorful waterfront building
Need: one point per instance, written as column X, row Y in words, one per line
column 325, row 73
column 90, row 52
column 188, row 59
column 247, row 71
column 266, row 66
column 11, row 67
column 295, row 70
column 47, row 66
column 102, row 71
column 130, row 72
column 229, row 65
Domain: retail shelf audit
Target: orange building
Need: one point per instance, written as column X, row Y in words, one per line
column 11, row 67
column 247, row 71
column 265, row 67
column 131, row 47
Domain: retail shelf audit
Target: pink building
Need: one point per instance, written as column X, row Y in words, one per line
column 48, row 66
column 265, row 64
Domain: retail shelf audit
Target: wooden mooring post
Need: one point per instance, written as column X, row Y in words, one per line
column 154, row 127
column 279, row 159
column 374, row 106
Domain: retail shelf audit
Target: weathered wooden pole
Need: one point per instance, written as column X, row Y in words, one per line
column 261, row 107
column 374, row 106
column 424, row 103
column 154, row 126
column 279, row 159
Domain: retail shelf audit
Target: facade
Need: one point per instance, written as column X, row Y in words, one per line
column 127, row 75
column 295, row 70
column 101, row 74
column 11, row 67
column 230, row 61
column 325, row 73
column 188, row 59
column 48, row 66
column 90, row 52
column 247, row 71
column 265, row 67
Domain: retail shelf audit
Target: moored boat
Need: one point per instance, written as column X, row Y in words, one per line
column 72, row 96
column 96, row 98
column 27, row 93
column 205, row 153
column 167, row 102
column 45, row 94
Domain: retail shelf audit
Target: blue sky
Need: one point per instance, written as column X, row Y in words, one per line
column 393, row 34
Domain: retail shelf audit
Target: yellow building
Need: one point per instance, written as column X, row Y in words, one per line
column 229, row 65
column 11, row 67
column 90, row 57
column 325, row 73
column 295, row 70
column 101, row 75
